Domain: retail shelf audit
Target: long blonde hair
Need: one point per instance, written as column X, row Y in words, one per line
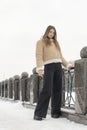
column 46, row 39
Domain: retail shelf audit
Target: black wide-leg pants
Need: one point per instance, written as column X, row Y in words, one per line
column 52, row 85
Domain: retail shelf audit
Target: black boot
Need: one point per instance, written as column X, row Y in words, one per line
column 37, row 118
column 56, row 115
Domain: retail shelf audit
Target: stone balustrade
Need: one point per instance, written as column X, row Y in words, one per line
column 27, row 89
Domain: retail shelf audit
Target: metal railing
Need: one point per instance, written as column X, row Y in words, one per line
column 68, row 89
column 20, row 88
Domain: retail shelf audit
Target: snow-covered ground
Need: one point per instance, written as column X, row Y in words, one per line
column 13, row 116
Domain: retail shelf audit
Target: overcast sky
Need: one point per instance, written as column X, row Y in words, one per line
column 23, row 22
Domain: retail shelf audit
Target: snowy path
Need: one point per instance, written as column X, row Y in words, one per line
column 13, row 116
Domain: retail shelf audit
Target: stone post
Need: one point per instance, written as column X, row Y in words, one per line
column 81, row 83
column 24, row 87
column 11, row 88
column 0, row 90
column 6, row 88
column 16, row 87
column 34, row 87
column 2, row 87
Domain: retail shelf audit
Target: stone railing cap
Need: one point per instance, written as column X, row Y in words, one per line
column 24, row 74
column 83, row 52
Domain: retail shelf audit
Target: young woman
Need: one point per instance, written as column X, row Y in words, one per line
column 48, row 54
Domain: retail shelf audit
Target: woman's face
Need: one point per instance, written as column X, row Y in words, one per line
column 51, row 33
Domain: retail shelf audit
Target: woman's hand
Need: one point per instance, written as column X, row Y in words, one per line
column 70, row 66
column 40, row 72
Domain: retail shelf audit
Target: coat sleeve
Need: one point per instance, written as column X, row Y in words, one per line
column 39, row 55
